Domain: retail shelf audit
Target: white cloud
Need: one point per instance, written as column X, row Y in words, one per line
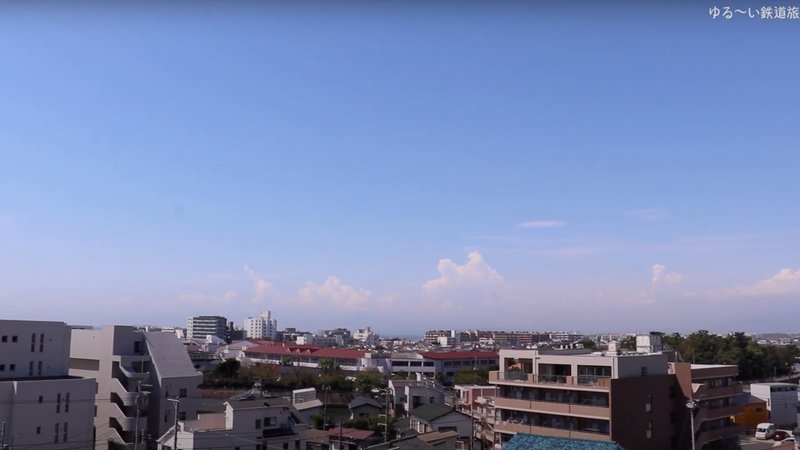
column 227, row 297
column 543, row 224
column 475, row 272
column 335, row 293
column 660, row 276
column 262, row 288
column 786, row 281
column 649, row 214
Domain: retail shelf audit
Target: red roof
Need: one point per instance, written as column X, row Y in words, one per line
column 459, row 355
column 288, row 349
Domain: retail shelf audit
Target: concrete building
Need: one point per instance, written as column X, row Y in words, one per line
column 261, row 327
column 134, row 368
column 366, row 336
column 255, row 422
column 41, row 405
column 201, row 326
column 781, row 401
column 442, row 364
column 407, row 395
column 637, row 399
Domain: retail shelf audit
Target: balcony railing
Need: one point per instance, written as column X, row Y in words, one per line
column 591, row 381
column 567, row 408
column 720, row 433
column 516, row 427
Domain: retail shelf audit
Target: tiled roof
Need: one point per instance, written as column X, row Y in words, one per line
column 362, row 401
column 431, row 411
column 287, row 349
column 350, row 433
column 459, row 355
column 523, row 441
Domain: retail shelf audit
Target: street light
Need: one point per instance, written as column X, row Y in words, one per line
column 691, row 405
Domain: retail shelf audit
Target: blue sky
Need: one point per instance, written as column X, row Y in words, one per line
column 503, row 165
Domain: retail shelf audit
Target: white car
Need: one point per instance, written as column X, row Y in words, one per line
column 765, row 430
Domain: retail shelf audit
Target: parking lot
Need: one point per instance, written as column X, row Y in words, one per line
column 750, row 443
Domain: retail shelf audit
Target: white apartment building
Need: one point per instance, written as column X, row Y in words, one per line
column 199, row 327
column 367, row 336
column 41, row 406
column 781, row 401
column 135, row 368
column 261, row 327
column 260, row 423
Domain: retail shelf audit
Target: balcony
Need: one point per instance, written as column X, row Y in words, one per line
column 704, row 414
column 565, row 408
column 708, row 392
column 577, row 382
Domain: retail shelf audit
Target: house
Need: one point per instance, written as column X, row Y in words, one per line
column 754, row 412
column 363, row 407
column 351, row 438
column 409, row 394
column 266, row 423
column 436, row 440
column 438, row 417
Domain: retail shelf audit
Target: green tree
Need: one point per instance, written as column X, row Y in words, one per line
column 228, row 368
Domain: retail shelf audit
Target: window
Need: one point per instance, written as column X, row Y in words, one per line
column 41, row 342
column 285, row 446
column 648, row 403
column 2, row 367
column 41, row 398
column 66, row 405
column 12, row 367
column 55, row 441
column 649, row 432
column 30, row 369
column 644, row 371
column 38, row 430
column 14, row 339
column 33, row 342
column 182, row 415
column 137, row 347
column 39, row 369
column 58, row 402
column 65, row 431
column 258, row 424
column 4, row 339
column 182, row 393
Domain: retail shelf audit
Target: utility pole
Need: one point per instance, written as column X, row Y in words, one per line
column 139, row 394
column 176, row 401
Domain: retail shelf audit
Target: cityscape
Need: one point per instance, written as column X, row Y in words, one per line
column 399, row 225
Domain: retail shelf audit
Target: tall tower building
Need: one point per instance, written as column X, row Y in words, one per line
column 201, row 326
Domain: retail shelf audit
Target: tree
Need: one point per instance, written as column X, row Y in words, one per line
column 228, row 368
column 588, row 343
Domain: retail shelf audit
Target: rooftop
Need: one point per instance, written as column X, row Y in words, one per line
column 431, row 411
column 523, row 441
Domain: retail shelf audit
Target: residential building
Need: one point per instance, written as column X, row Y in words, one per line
column 311, row 355
column 781, row 401
column 637, row 399
column 366, row 336
column 406, row 395
column 364, row 407
column 754, row 412
column 41, row 405
column 261, row 327
column 444, row 440
column 201, row 326
column 247, row 423
column 713, row 390
column 442, row 364
column 477, row 402
column 136, row 372
column 438, row 417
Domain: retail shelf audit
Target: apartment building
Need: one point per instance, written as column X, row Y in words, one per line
column 41, row 405
column 712, row 391
column 201, row 326
column 443, row 364
column 261, row 327
column 248, row 423
column 637, row 400
column 136, row 373
column 781, row 401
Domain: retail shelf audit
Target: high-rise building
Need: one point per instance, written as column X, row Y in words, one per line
column 201, row 326
column 137, row 372
column 261, row 327
column 41, row 406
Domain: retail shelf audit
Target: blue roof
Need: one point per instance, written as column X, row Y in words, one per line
column 522, row 441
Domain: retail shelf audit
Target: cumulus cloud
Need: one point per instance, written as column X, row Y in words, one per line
column 262, row 288
column 648, row 214
column 661, row 276
column 475, row 272
column 335, row 293
column 542, row 224
column 227, row 297
column 786, row 281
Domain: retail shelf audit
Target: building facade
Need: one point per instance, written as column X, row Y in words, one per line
column 636, row 399
column 201, row 326
column 41, row 406
column 137, row 372
column 781, row 399
column 261, row 327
